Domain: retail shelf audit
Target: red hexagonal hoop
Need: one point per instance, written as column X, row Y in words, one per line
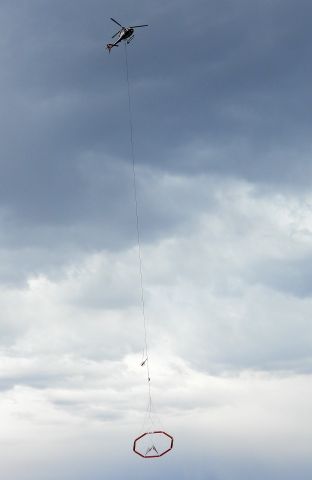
column 153, row 444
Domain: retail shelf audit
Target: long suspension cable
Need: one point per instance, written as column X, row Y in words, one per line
column 145, row 359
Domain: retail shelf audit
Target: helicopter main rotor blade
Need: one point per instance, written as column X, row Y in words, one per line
column 137, row 26
column 117, row 22
column 116, row 34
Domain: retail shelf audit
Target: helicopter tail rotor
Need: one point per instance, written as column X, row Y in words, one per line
column 109, row 46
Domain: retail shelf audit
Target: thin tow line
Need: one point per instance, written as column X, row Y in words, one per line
column 146, row 360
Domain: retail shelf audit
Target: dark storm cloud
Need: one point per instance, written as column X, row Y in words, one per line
column 239, row 82
column 216, row 87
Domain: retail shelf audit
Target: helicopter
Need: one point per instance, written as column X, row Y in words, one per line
column 125, row 33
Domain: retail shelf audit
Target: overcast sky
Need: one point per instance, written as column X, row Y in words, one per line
column 221, row 101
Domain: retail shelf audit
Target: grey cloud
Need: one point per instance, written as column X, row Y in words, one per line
column 220, row 89
column 293, row 277
column 39, row 381
column 216, row 88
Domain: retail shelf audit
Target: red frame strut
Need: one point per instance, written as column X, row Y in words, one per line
column 153, row 456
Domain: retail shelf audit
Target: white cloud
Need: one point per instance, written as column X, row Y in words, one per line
column 71, row 348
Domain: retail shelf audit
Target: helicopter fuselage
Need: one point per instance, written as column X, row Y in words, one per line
column 126, row 33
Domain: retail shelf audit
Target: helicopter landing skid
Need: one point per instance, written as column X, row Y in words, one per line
column 129, row 40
